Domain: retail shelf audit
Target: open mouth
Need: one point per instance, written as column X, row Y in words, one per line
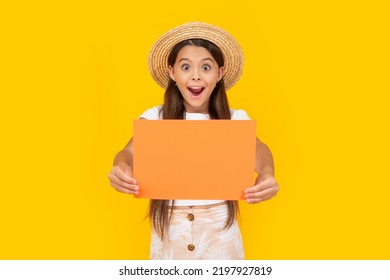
column 196, row 92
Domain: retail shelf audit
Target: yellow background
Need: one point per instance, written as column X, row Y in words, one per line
column 74, row 76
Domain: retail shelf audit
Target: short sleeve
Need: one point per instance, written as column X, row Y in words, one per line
column 152, row 113
column 239, row 115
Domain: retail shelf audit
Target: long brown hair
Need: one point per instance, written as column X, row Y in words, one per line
column 173, row 108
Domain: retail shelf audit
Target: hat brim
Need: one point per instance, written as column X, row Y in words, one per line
column 231, row 50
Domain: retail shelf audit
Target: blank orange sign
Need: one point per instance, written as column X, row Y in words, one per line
column 194, row 159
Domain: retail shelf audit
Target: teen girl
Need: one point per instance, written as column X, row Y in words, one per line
column 196, row 63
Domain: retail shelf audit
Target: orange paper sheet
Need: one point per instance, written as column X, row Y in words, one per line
column 192, row 159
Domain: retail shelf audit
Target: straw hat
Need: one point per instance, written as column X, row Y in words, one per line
column 232, row 52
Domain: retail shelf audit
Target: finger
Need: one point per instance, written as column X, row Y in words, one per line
column 261, row 198
column 263, row 185
column 256, row 188
column 115, row 181
column 262, row 194
column 126, row 185
column 124, row 190
column 123, row 176
column 257, row 200
column 119, row 176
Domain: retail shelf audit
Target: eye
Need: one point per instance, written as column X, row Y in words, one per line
column 185, row 67
column 206, row 67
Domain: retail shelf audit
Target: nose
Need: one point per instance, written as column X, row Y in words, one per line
column 195, row 76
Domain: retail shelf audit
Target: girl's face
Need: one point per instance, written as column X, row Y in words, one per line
column 196, row 74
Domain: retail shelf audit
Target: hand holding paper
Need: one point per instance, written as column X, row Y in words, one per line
column 121, row 178
column 265, row 188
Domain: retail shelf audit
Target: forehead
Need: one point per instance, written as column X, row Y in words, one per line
column 194, row 53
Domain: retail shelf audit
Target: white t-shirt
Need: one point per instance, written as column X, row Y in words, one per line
column 154, row 114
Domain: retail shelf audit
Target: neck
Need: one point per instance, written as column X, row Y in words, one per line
column 199, row 110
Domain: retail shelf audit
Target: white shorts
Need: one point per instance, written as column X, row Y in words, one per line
column 197, row 233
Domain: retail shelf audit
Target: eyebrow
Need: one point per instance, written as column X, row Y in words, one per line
column 204, row 59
